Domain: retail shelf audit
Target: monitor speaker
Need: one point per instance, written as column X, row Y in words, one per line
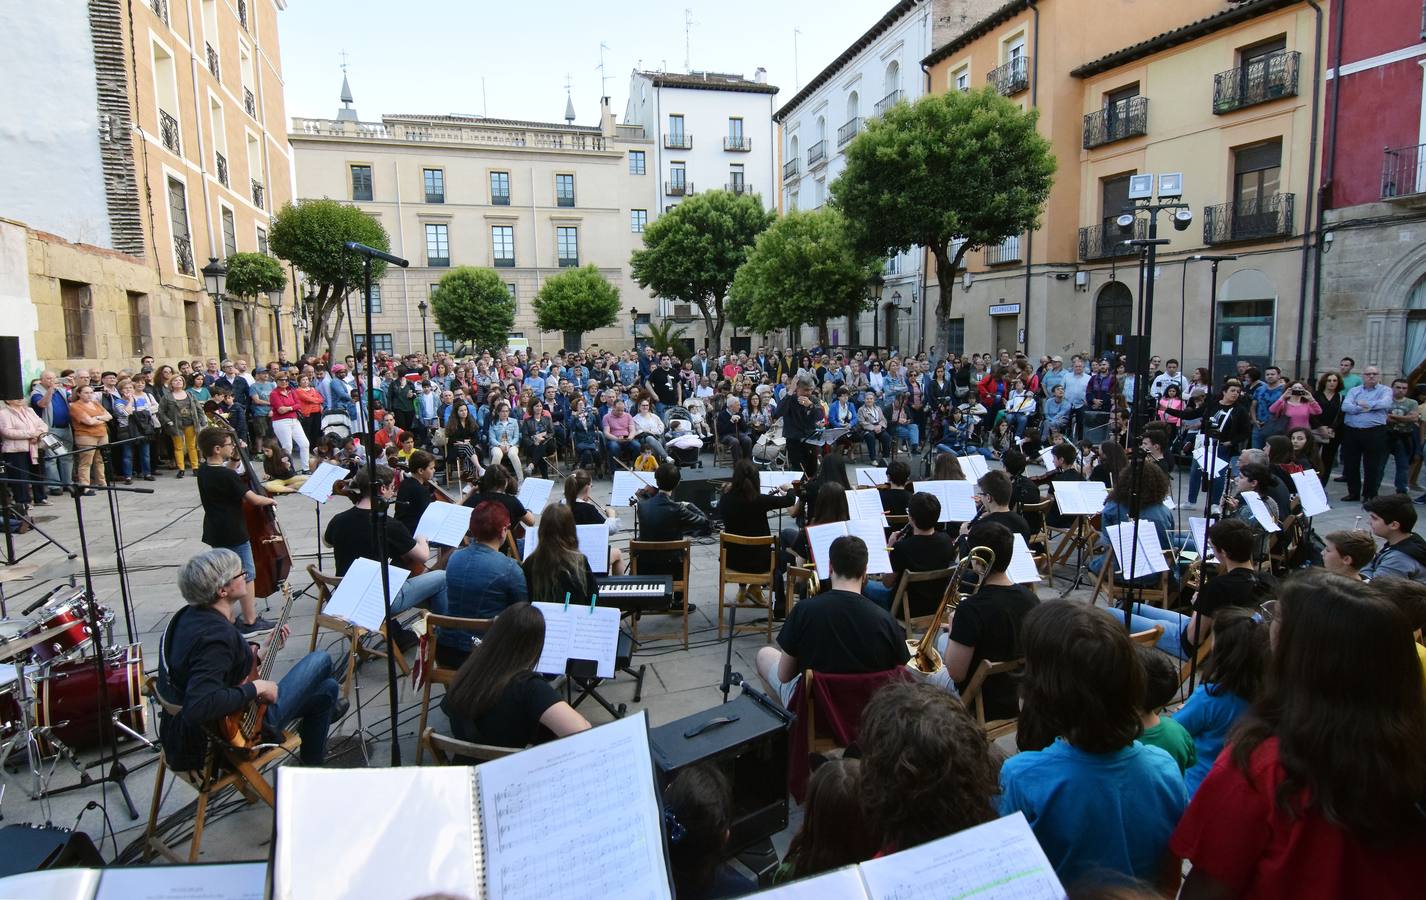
column 29, row 848
column 10, row 377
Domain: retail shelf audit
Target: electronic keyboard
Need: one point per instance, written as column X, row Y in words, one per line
column 635, row 593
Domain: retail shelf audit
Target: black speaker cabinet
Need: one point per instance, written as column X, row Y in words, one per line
column 701, row 487
column 29, row 848
column 10, row 376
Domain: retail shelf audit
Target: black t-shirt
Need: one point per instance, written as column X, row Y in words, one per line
column 842, row 633
column 586, row 513
column 349, row 535
column 922, row 553
column 514, row 720
column 512, row 504
column 748, row 518
column 412, row 498
column 1010, row 519
column 988, row 622
column 894, row 500
column 221, row 491
column 1240, row 588
column 663, row 385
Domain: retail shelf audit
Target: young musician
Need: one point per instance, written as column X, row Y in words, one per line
column 897, row 493
column 662, row 518
column 924, row 549
column 577, row 496
column 204, row 661
column 1063, row 456
column 1393, row 518
column 557, row 569
column 1346, row 552
column 222, row 492
column 481, row 579
column 414, row 494
column 994, row 494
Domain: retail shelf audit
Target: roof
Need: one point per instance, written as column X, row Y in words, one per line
column 1003, row 14
column 857, row 46
column 709, row 81
column 1181, row 35
column 494, row 123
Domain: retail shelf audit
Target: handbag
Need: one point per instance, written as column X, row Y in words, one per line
column 53, row 444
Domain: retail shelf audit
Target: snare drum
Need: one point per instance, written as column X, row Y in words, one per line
column 65, row 611
column 67, row 699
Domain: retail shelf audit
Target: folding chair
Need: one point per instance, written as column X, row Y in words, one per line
column 838, row 702
column 900, row 601
column 751, row 585
column 974, row 696
column 433, row 672
column 446, row 749
column 1119, row 590
column 1149, row 637
column 356, row 651
column 683, row 546
column 797, row 576
column 722, row 453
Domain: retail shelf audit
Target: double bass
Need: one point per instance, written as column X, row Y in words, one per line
column 272, row 560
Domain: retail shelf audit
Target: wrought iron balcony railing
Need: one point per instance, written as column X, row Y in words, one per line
column 250, row 102
column 738, row 187
column 1107, row 241
column 849, row 130
column 183, row 253
column 222, row 169
column 678, row 187
column 679, row 140
column 1403, row 172
column 168, row 128
column 1011, row 78
column 792, row 169
column 258, row 194
column 887, row 102
column 738, row 143
column 1249, row 220
column 816, row 153
column 1117, row 121
column 213, row 61
column 1261, row 80
column 1007, row 251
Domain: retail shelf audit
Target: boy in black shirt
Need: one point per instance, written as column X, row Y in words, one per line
column 923, row 550
column 897, row 493
column 222, row 491
column 838, row 631
column 414, row 494
column 1065, row 470
column 993, row 493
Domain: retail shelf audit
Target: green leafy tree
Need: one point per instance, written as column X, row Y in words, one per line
column 576, row 301
column 692, row 252
column 804, row 268
column 663, row 335
column 955, row 166
column 253, row 274
column 312, row 235
column 472, row 305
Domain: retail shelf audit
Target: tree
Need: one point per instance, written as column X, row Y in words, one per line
column 473, row 305
column 253, row 274
column 663, row 335
column 576, row 301
column 312, row 235
column 959, row 166
column 692, row 252
column 802, row 269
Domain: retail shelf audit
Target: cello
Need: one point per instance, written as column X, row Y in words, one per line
column 272, row 561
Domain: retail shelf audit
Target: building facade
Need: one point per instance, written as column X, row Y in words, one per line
column 169, row 115
column 526, row 199
column 1223, row 95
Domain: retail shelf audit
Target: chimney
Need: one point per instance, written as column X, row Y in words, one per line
column 760, row 75
column 606, row 118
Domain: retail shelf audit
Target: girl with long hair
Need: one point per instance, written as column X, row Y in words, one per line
column 556, row 569
column 698, row 814
column 578, row 496
column 1304, row 449
column 834, row 830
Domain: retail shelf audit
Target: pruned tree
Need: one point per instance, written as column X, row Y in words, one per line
column 472, row 305
column 963, row 167
column 692, row 252
column 576, row 301
column 312, row 235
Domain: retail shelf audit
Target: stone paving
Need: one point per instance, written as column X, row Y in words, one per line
column 162, row 530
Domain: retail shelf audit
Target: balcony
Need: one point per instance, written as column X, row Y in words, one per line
column 817, row 153
column 1107, row 241
column 168, row 127
column 213, row 61
column 1259, row 81
column 849, row 130
column 258, row 194
column 1117, row 121
column 569, row 262
column 504, row 262
column 243, row 13
column 1008, row 251
column 222, row 169
column 791, row 169
column 738, row 144
column 160, row 9
column 677, row 188
column 739, row 187
column 183, row 254
column 1249, row 220
column 887, row 102
column 678, row 141
column 565, row 200
column 1011, row 78
column 250, row 102
column 1403, row 173
column 438, row 262
column 499, row 199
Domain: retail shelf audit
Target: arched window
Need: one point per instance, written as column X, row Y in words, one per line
column 854, row 106
column 792, row 147
column 1113, row 317
column 893, row 77
column 1415, row 328
column 821, row 128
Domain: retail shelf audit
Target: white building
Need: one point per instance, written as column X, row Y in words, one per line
column 879, row 69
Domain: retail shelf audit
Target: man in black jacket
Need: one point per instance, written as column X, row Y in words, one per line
column 733, row 429
column 204, row 661
column 800, row 415
column 662, row 518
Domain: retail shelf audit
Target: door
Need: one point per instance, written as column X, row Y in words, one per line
column 1257, row 174
column 1244, row 331
column 1113, row 317
column 1005, row 328
column 1114, row 201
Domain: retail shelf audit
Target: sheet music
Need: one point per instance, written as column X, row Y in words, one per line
column 1022, row 563
column 591, row 795
column 357, row 598
column 975, row 466
column 578, row 631
column 1260, row 511
column 1080, row 498
column 224, row 881
column 1206, row 460
column 319, row 484
column 866, row 504
column 445, row 523
column 1170, row 504
column 1310, row 493
column 1047, row 457
column 770, row 481
column 1000, row 860
column 820, row 538
column 838, row 884
column 871, row 477
column 52, row 884
column 878, row 560
column 627, row 482
column 439, row 850
column 1148, row 553
column 535, row 493
column 593, row 543
column 957, row 498
column 1198, row 527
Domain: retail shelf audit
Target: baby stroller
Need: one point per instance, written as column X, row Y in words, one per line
column 336, row 423
column 682, row 444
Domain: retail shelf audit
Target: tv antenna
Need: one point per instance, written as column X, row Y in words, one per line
column 687, row 39
column 603, row 78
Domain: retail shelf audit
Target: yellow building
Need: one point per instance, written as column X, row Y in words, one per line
column 1221, row 94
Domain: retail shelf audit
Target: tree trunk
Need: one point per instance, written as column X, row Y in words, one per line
column 946, row 281
column 712, row 335
column 822, row 337
column 573, row 340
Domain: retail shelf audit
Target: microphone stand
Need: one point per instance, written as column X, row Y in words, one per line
column 11, row 510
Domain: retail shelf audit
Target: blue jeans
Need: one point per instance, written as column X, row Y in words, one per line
column 307, row 692
column 245, row 553
column 1402, row 448
column 1143, row 617
column 875, row 439
column 617, row 447
column 1017, row 421
column 1061, row 424
column 655, row 446
column 910, row 432
column 126, row 459
column 879, row 594
column 418, row 590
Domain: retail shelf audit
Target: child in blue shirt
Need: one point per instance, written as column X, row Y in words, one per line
column 1232, row 682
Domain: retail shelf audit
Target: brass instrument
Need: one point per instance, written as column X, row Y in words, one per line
column 926, row 663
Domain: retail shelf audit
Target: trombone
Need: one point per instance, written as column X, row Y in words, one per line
column 926, row 663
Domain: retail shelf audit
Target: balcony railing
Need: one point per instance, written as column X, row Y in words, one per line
column 160, row 9
column 183, row 253
column 738, row 144
column 887, row 102
column 1117, row 121
column 250, row 102
column 678, row 141
column 168, row 127
column 1403, row 172
column 738, row 187
column 222, row 169
column 212, row 61
column 1259, row 81
column 569, row 262
column 1005, row 252
column 258, row 194
column 1250, row 220
column 678, row 188
column 1011, row 78
column 438, row 262
column 243, row 13
column 791, row 169
column 499, row 199
column 1107, row 241
column 816, row 153
column 504, row 262
column 849, row 130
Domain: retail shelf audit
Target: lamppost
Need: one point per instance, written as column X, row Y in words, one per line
column 423, row 307
column 215, row 278
column 274, row 299
column 893, row 325
column 877, row 283
column 634, row 325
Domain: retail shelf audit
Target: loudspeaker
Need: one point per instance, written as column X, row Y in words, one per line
column 10, row 377
column 29, row 848
column 1135, row 352
column 701, row 488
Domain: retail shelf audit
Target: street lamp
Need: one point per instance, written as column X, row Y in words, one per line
column 274, row 299
column 215, row 278
column 422, row 307
column 634, row 324
column 893, row 326
column 878, row 285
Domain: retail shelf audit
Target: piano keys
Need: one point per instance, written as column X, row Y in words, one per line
column 635, row 593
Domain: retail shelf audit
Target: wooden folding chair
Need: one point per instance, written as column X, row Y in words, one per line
column 444, row 748
column 1194, row 667
column 974, row 696
column 1149, row 637
column 754, row 588
column 1285, row 547
column 433, row 672
column 722, row 453
column 1040, row 512
column 1116, row 590
column 511, row 549
column 356, row 652
column 896, row 523
column 797, row 576
column 901, row 603
column 681, row 546
column 223, row 768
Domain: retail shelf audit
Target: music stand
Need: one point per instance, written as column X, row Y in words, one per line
column 10, row 510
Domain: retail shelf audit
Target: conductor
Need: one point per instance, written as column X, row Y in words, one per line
column 800, row 415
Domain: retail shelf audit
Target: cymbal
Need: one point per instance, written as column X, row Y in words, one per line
column 10, row 650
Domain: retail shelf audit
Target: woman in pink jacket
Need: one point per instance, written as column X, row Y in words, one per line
column 20, row 431
column 1297, row 405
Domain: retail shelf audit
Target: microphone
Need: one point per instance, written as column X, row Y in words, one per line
column 42, row 601
column 376, row 254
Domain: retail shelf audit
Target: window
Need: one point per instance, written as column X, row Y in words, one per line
column 567, row 242
column 638, row 219
column 564, row 190
column 192, row 327
column 435, row 182
column 735, row 139
column 431, row 289
column 502, row 242
column 361, row 182
column 514, row 300
column 1415, row 327
column 1257, row 175
column 380, row 343
column 677, row 180
column 178, row 224
column 636, row 162
column 960, row 81
column 675, row 128
column 955, row 335
column 438, row 245
column 735, row 129
column 444, row 344
column 77, row 302
column 736, row 184
column 230, row 233
column 262, row 241
column 375, row 302
column 500, row 188
column 891, row 82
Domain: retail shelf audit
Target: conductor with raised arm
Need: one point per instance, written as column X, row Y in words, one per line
column 800, row 415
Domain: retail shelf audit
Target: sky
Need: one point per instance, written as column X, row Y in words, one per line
column 430, row 56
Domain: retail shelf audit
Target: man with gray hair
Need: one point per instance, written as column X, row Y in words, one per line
column 800, row 416
column 204, row 662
